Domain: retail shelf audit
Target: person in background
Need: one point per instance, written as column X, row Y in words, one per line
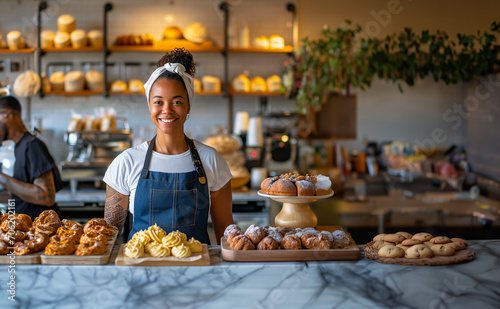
column 172, row 180
column 36, row 177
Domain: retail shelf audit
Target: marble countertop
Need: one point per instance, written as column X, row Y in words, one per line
column 335, row 284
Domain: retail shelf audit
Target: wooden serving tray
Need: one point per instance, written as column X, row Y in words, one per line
column 80, row 260
column 460, row 256
column 33, row 258
column 196, row 259
column 350, row 253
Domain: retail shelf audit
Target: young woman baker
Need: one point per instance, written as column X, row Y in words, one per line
column 172, row 181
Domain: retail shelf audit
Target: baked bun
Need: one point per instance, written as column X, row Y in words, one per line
column 305, row 188
column 61, row 40
column 172, row 32
column 241, row 83
column 261, row 42
column 197, row 85
column 27, row 84
column 136, row 86
column 74, row 81
column 95, row 38
column 78, row 38
column 196, row 33
column 211, row 83
column 2, row 43
column 118, row 86
column 95, row 80
column 258, row 84
column 47, row 39
column 273, row 83
column 66, row 23
column 57, row 81
column 15, row 40
column 276, row 41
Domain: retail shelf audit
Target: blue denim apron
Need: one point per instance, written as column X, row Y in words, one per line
column 174, row 201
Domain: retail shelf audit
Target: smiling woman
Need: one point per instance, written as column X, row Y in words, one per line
column 172, row 180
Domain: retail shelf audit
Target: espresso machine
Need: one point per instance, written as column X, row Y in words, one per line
column 91, row 152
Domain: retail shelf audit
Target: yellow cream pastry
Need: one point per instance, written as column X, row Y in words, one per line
column 134, row 249
column 148, row 246
column 172, row 240
column 66, row 23
column 159, row 250
column 181, row 251
column 194, row 245
column 47, row 38
column 142, row 236
column 156, row 233
column 181, row 234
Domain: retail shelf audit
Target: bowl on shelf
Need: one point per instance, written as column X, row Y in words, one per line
column 238, row 182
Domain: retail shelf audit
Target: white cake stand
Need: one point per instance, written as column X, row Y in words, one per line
column 296, row 212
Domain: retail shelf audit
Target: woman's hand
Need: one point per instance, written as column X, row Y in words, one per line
column 221, row 210
column 116, row 208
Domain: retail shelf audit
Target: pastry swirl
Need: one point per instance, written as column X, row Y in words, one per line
column 172, row 240
column 181, row 251
column 159, row 250
column 156, row 233
column 134, row 249
column 194, row 245
column 142, row 237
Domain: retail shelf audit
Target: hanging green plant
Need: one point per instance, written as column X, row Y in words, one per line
column 342, row 58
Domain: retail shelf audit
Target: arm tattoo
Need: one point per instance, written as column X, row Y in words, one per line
column 114, row 213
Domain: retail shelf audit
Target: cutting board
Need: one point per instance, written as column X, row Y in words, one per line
column 33, row 258
column 80, row 260
column 350, row 253
column 196, row 259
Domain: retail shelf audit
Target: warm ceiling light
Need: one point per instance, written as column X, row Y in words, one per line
column 169, row 18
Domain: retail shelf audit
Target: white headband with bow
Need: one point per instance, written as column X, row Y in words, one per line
column 174, row 68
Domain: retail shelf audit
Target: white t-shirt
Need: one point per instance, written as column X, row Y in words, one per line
column 124, row 172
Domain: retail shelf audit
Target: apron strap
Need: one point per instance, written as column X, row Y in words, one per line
column 147, row 160
column 202, row 177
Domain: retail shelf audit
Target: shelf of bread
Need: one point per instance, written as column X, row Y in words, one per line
column 286, row 49
column 72, row 49
column 232, row 91
column 17, row 51
column 126, row 92
column 209, row 93
column 74, row 93
column 166, row 45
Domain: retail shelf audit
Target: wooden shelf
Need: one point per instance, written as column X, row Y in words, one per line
column 76, row 93
column 260, row 94
column 126, row 93
column 156, row 49
column 203, row 93
column 70, row 49
column 287, row 49
column 18, row 51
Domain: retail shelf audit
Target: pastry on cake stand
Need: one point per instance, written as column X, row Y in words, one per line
column 296, row 212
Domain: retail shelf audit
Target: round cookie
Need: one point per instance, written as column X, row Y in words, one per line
column 440, row 240
column 428, row 244
column 379, row 236
column 457, row 245
column 403, row 247
column 411, row 242
column 380, row 243
column 422, row 237
column 395, row 238
column 419, row 252
column 391, row 251
column 405, row 234
column 442, row 250
column 460, row 240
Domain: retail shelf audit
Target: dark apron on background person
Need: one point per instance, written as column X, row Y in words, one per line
column 174, row 201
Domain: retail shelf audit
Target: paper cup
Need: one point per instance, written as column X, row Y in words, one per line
column 255, row 138
column 240, row 123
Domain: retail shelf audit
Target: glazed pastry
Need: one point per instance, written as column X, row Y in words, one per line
column 58, row 247
column 159, row 250
column 14, row 235
column 98, row 226
column 72, row 226
column 284, row 230
column 268, row 243
column 22, row 248
column 37, row 242
column 255, row 233
column 273, row 232
column 92, row 238
column 194, row 245
column 47, row 223
column 309, row 241
column 233, row 234
column 305, row 188
column 276, row 186
column 181, row 251
column 91, row 248
column 4, row 248
column 134, row 249
column 241, row 242
column 231, row 229
column 291, row 242
column 340, row 239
